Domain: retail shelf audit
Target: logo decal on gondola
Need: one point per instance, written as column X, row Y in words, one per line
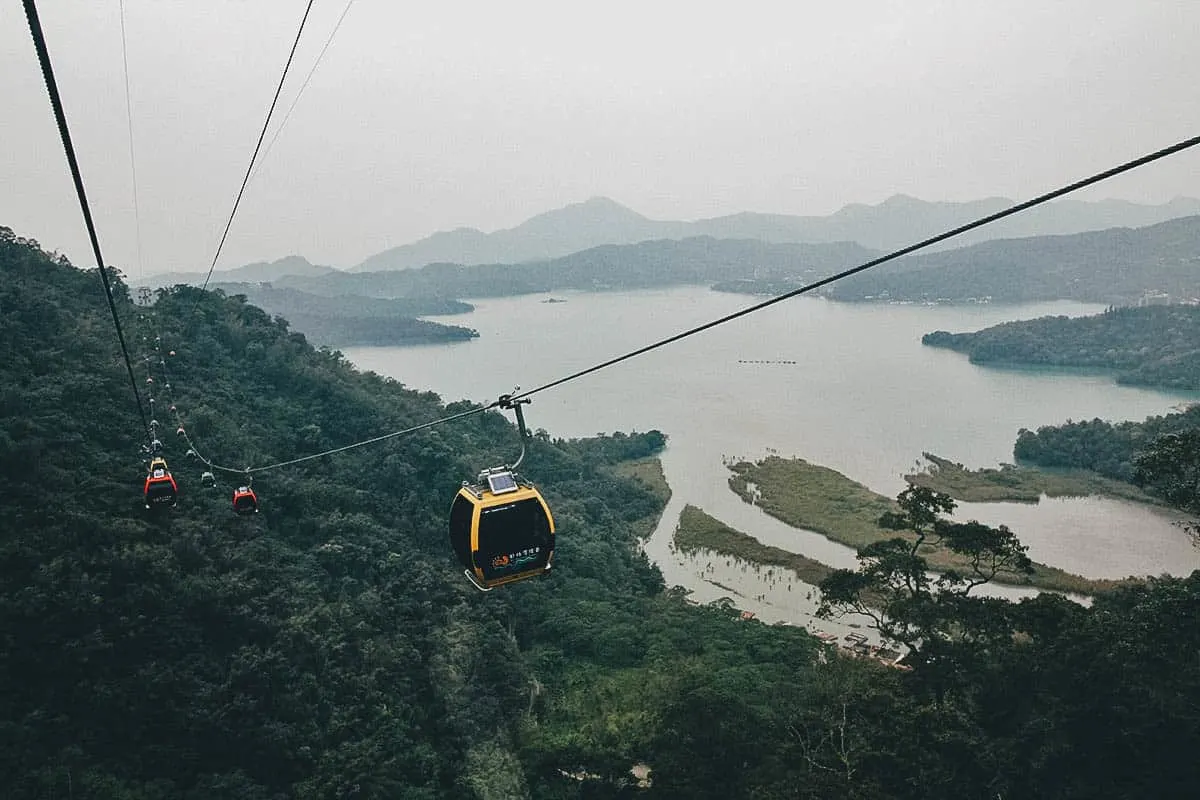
column 518, row 559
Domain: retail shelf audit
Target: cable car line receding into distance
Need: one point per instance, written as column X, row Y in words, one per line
column 492, row 554
column 395, row 434
column 245, row 500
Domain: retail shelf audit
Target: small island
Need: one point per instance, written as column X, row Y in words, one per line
column 698, row 532
column 755, row 286
column 1155, row 346
column 820, row 499
column 1011, row 483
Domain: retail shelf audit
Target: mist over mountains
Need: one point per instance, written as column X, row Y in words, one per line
column 257, row 272
column 1117, row 265
column 660, row 262
column 896, row 222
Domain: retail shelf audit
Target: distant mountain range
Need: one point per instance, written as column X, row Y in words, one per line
column 662, row 262
column 898, row 221
column 1156, row 263
column 600, row 243
column 257, row 272
column 1117, row 265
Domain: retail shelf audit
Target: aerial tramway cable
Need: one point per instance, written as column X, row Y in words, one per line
column 507, row 400
column 288, row 114
column 181, row 430
column 395, row 434
column 921, row 245
column 137, row 217
column 250, row 167
column 60, row 117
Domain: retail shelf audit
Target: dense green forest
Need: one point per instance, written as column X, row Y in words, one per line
column 636, row 266
column 329, row 648
column 347, row 321
column 1149, row 346
column 1105, row 447
column 1118, row 265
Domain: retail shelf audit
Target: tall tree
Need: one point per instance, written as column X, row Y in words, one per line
column 1170, row 467
column 895, row 588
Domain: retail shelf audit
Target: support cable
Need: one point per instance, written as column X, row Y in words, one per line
column 177, row 415
column 60, row 117
column 941, row 237
column 513, row 400
column 288, row 115
column 365, row 442
column 250, row 167
column 137, row 217
column 181, row 430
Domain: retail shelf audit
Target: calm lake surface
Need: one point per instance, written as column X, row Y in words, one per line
column 863, row 397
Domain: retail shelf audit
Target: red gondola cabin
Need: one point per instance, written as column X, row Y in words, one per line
column 160, row 488
column 245, row 501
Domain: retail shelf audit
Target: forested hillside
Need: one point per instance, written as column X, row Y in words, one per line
column 1150, row 346
column 1101, row 446
column 329, row 648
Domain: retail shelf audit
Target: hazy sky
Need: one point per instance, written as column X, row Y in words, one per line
column 429, row 116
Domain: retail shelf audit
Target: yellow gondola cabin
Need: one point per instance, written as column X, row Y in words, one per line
column 501, row 529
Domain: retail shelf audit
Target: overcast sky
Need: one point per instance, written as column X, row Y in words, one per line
column 429, row 116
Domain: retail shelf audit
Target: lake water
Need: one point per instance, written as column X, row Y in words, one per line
column 863, row 396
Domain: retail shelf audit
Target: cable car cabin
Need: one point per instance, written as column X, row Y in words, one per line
column 245, row 501
column 501, row 530
column 160, row 489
